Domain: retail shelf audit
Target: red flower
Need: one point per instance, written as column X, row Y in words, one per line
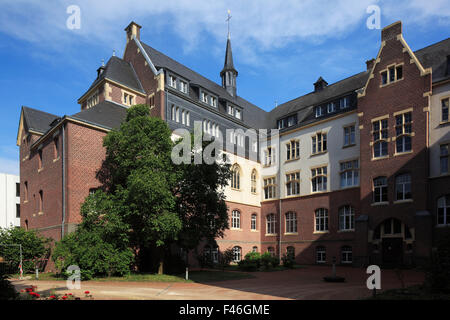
column 86, row 292
column 70, row 294
column 64, row 297
column 52, row 297
column 22, row 290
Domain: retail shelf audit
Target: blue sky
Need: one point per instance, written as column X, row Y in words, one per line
column 280, row 48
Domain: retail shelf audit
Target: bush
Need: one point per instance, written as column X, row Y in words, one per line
column 251, row 262
column 268, row 261
column 438, row 275
column 94, row 257
column 288, row 261
column 34, row 248
column 225, row 258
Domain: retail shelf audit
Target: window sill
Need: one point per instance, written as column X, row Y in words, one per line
column 236, row 229
column 389, row 83
column 350, row 187
column 40, row 170
column 403, row 201
column 384, row 203
column 348, row 145
column 318, row 153
column 40, row 213
column 321, row 232
column 346, row 230
column 444, row 123
column 234, row 189
column 54, row 160
column 319, row 192
column 402, row 153
column 254, row 230
column 292, row 160
column 291, row 233
column 271, row 234
column 380, row 158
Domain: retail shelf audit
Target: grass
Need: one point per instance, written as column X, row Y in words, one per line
column 417, row 292
column 194, row 276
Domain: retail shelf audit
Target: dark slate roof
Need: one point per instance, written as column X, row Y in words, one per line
column 435, row 57
column 105, row 114
column 303, row 105
column 120, row 71
column 37, row 120
column 252, row 115
column 228, row 64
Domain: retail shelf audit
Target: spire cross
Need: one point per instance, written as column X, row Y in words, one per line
column 228, row 20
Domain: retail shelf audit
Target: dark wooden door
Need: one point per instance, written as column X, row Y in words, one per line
column 392, row 251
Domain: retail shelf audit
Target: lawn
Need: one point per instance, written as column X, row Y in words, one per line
column 194, row 276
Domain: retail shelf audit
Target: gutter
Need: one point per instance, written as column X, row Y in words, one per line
column 63, row 179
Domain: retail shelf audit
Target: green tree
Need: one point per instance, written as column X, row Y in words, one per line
column 34, row 248
column 200, row 198
column 139, row 176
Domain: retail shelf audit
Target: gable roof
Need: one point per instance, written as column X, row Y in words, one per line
column 119, row 71
column 435, row 57
column 105, row 114
column 252, row 115
column 36, row 120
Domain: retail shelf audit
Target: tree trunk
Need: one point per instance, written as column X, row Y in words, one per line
column 161, row 266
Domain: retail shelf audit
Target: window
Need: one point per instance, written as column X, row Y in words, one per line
column 269, row 188
column 331, row 107
column 41, row 201
column 443, row 213
column 380, row 190
column 237, row 254
column 173, row 113
column 291, row 222
column 204, row 97
column 255, row 249
column 346, row 218
column 346, row 254
column 392, row 226
column 270, row 224
column 92, row 191
column 173, row 82
column 271, row 251
column 238, row 114
column 253, row 222
column 17, row 189
column 319, row 111
column 321, row 220
column 177, row 114
column 214, row 101
column 40, row 158
column 293, row 183
column 293, row 150
column 183, row 117
column 56, row 147
column 445, row 107
column 290, row 252
column 403, row 187
column 183, row 86
column 349, row 135
column 236, row 177
column 349, row 173
column 444, row 158
column 380, row 135
column 17, row 210
column 253, row 182
column 344, row 103
column 319, row 179
column 320, row 254
column 26, row 191
column 230, row 110
column 188, row 118
column 403, row 132
column 392, row 74
column 269, row 157
column 235, row 219
column 319, row 143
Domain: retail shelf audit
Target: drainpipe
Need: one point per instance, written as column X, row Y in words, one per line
column 63, row 149
column 279, row 195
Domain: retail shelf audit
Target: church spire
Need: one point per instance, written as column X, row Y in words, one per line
column 229, row 73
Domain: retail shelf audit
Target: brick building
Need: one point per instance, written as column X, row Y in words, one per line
column 359, row 169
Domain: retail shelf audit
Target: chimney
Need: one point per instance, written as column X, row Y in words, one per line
column 133, row 29
column 320, row 84
column 370, row 64
column 391, row 31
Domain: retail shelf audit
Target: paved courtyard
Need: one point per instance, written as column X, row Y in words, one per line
column 300, row 284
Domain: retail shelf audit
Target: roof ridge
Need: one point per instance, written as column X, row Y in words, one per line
column 431, row 45
column 29, row 108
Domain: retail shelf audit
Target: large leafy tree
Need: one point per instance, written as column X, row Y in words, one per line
column 139, row 174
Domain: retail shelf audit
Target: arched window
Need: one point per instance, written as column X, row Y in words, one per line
column 236, row 177
column 380, row 136
column 271, row 250
column 380, row 189
column 253, row 182
column 255, row 249
column 403, row 187
column 443, row 213
column 321, row 254
column 270, row 225
column 235, row 219
column 346, row 218
column 346, row 254
column 290, row 252
column 321, row 219
column 291, row 222
column 237, row 254
column 253, row 222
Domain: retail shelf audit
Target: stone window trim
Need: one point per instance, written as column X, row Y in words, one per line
column 236, row 177
column 128, row 99
column 269, row 182
column 383, row 136
column 292, row 182
column 389, row 67
column 319, row 138
column 236, row 220
column 444, row 157
column 349, row 126
column 444, row 110
column 404, row 125
column 355, row 168
column 315, row 175
column 293, row 150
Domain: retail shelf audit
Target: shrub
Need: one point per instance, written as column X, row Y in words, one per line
column 225, row 258
column 251, row 262
column 288, row 261
column 438, row 275
column 34, row 248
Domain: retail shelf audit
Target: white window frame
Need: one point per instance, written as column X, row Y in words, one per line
column 347, row 218
column 271, row 224
column 291, row 222
column 444, row 204
column 321, row 222
column 236, row 219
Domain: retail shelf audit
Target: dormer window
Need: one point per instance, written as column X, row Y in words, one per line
column 173, row 82
column 230, row 110
column 344, row 102
column 128, row 99
column 331, row 107
column 183, row 86
column 214, row 101
column 238, row 114
column 319, row 112
column 204, row 97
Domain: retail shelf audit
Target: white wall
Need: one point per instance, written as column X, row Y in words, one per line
column 8, row 200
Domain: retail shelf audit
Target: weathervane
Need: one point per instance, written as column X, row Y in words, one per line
column 228, row 20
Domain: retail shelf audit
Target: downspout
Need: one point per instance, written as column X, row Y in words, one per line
column 279, row 194
column 63, row 149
